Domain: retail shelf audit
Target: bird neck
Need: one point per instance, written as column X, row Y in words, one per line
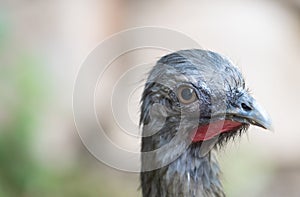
column 189, row 175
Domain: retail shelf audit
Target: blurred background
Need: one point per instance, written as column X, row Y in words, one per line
column 43, row 43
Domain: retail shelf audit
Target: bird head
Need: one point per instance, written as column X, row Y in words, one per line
column 200, row 93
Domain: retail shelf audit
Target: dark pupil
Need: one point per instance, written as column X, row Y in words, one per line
column 187, row 93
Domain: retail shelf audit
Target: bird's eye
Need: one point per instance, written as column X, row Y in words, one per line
column 186, row 95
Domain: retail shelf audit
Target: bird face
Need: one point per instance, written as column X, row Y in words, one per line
column 205, row 92
column 224, row 115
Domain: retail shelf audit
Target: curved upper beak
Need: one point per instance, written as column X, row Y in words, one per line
column 248, row 110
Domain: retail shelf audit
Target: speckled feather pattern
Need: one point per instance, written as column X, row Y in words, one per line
column 190, row 175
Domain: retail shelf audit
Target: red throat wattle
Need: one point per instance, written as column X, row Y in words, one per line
column 206, row 132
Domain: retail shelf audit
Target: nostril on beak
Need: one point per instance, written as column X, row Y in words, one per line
column 246, row 107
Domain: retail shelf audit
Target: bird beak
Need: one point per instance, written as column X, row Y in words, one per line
column 247, row 110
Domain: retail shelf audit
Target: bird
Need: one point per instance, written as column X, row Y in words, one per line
column 194, row 102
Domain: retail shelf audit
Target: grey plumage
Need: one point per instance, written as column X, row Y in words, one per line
column 183, row 167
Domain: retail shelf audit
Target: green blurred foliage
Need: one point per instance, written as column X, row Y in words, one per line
column 21, row 98
column 23, row 95
column 20, row 174
column 23, row 91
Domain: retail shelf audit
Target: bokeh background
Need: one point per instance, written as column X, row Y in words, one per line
column 43, row 43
